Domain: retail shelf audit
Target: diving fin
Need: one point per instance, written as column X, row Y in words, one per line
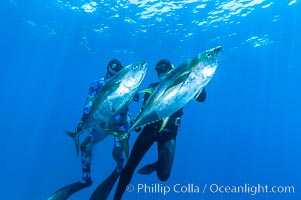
column 75, row 137
column 148, row 169
column 103, row 190
column 65, row 192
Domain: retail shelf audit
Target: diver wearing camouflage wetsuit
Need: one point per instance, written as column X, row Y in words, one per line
column 166, row 141
column 121, row 122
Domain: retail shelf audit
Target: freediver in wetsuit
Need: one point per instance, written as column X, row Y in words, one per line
column 166, row 141
column 122, row 123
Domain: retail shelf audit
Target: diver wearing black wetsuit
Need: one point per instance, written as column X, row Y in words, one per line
column 166, row 141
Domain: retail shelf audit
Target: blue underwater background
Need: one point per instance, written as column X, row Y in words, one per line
column 246, row 133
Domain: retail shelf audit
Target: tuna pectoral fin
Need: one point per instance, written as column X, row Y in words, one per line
column 75, row 137
column 180, row 80
column 164, row 122
column 147, row 90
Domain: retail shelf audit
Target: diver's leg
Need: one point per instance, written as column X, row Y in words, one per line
column 166, row 154
column 118, row 154
column 104, row 188
column 86, row 157
column 86, row 154
column 118, row 145
column 141, row 146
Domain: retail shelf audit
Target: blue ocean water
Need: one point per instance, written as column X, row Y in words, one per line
column 247, row 133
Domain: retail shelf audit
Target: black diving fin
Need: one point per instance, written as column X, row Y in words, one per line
column 67, row 191
column 148, row 169
column 103, row 190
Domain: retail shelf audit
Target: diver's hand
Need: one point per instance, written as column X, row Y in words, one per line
column 136, row 97
column 123, row 136
column 138, row 129
column 79, row 127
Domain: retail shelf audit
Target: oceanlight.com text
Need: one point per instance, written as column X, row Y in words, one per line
column 251, row 189
column 192, row 188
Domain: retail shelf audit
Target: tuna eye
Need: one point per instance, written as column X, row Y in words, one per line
column 135, row 66
column 208, row 55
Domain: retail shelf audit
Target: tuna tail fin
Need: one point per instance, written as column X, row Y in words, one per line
column 75, row 137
